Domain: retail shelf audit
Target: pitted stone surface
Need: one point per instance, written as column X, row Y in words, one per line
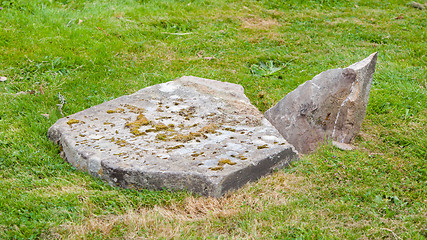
column 192, row 133
column 330, row 106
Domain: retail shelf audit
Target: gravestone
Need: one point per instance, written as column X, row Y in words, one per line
column 189, row 134
column 330, row 106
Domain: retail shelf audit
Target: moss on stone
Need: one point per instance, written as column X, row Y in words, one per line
column 161, row 127
column 175, row 147
column 136, row 132
column 197, row 154
column 211, row 128
column 225, row 161
column 121, row 143
column 117, row 110
column 183, row 137
column 230, row 129
column 135, row 125
column 134, row 109
column 217, row 168
column 73, row 121
column 262, row 146
column 161, row 136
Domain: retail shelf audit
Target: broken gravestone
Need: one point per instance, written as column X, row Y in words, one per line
column 189, row 134
column 330, row 106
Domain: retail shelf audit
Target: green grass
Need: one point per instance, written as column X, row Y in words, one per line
column 90, row 52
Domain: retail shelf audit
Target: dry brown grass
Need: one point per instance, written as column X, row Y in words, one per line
column 258, row 23
column 179, row 219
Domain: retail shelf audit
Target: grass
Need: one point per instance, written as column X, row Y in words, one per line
column 90, row 52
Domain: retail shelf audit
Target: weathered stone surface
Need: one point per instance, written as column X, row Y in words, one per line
column 342, row 146
column 192, row 133
column 332, row 105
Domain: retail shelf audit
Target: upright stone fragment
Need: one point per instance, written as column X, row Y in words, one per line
column 332, row 105
column 192, row 133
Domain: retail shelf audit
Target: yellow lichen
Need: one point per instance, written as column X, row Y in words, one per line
column 242, row 157
column 209, row 128
column 73, row 121
column 134, row 126
column 119, row 154
column 117, row 110
column 263, row 146
column 225, row 161
column 197, row 154
column 187, row 113
column 160, row 127
column 217, row 168
column 161, row 136
column 197, row 134
column 108, row 123
column 230, row 129
column 175, row 147
column 134, row 109
column 121, row 142
column 136, row 132
column 183, row 138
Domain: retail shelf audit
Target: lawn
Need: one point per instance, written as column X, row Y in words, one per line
column 58, row 57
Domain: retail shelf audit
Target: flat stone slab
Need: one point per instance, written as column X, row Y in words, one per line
column 191, row 134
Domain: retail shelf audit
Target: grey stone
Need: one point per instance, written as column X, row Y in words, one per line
column 342, row 146
column 192, row 133
column 330, row 106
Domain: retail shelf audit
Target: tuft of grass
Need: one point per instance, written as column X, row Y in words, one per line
column 89, row 52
